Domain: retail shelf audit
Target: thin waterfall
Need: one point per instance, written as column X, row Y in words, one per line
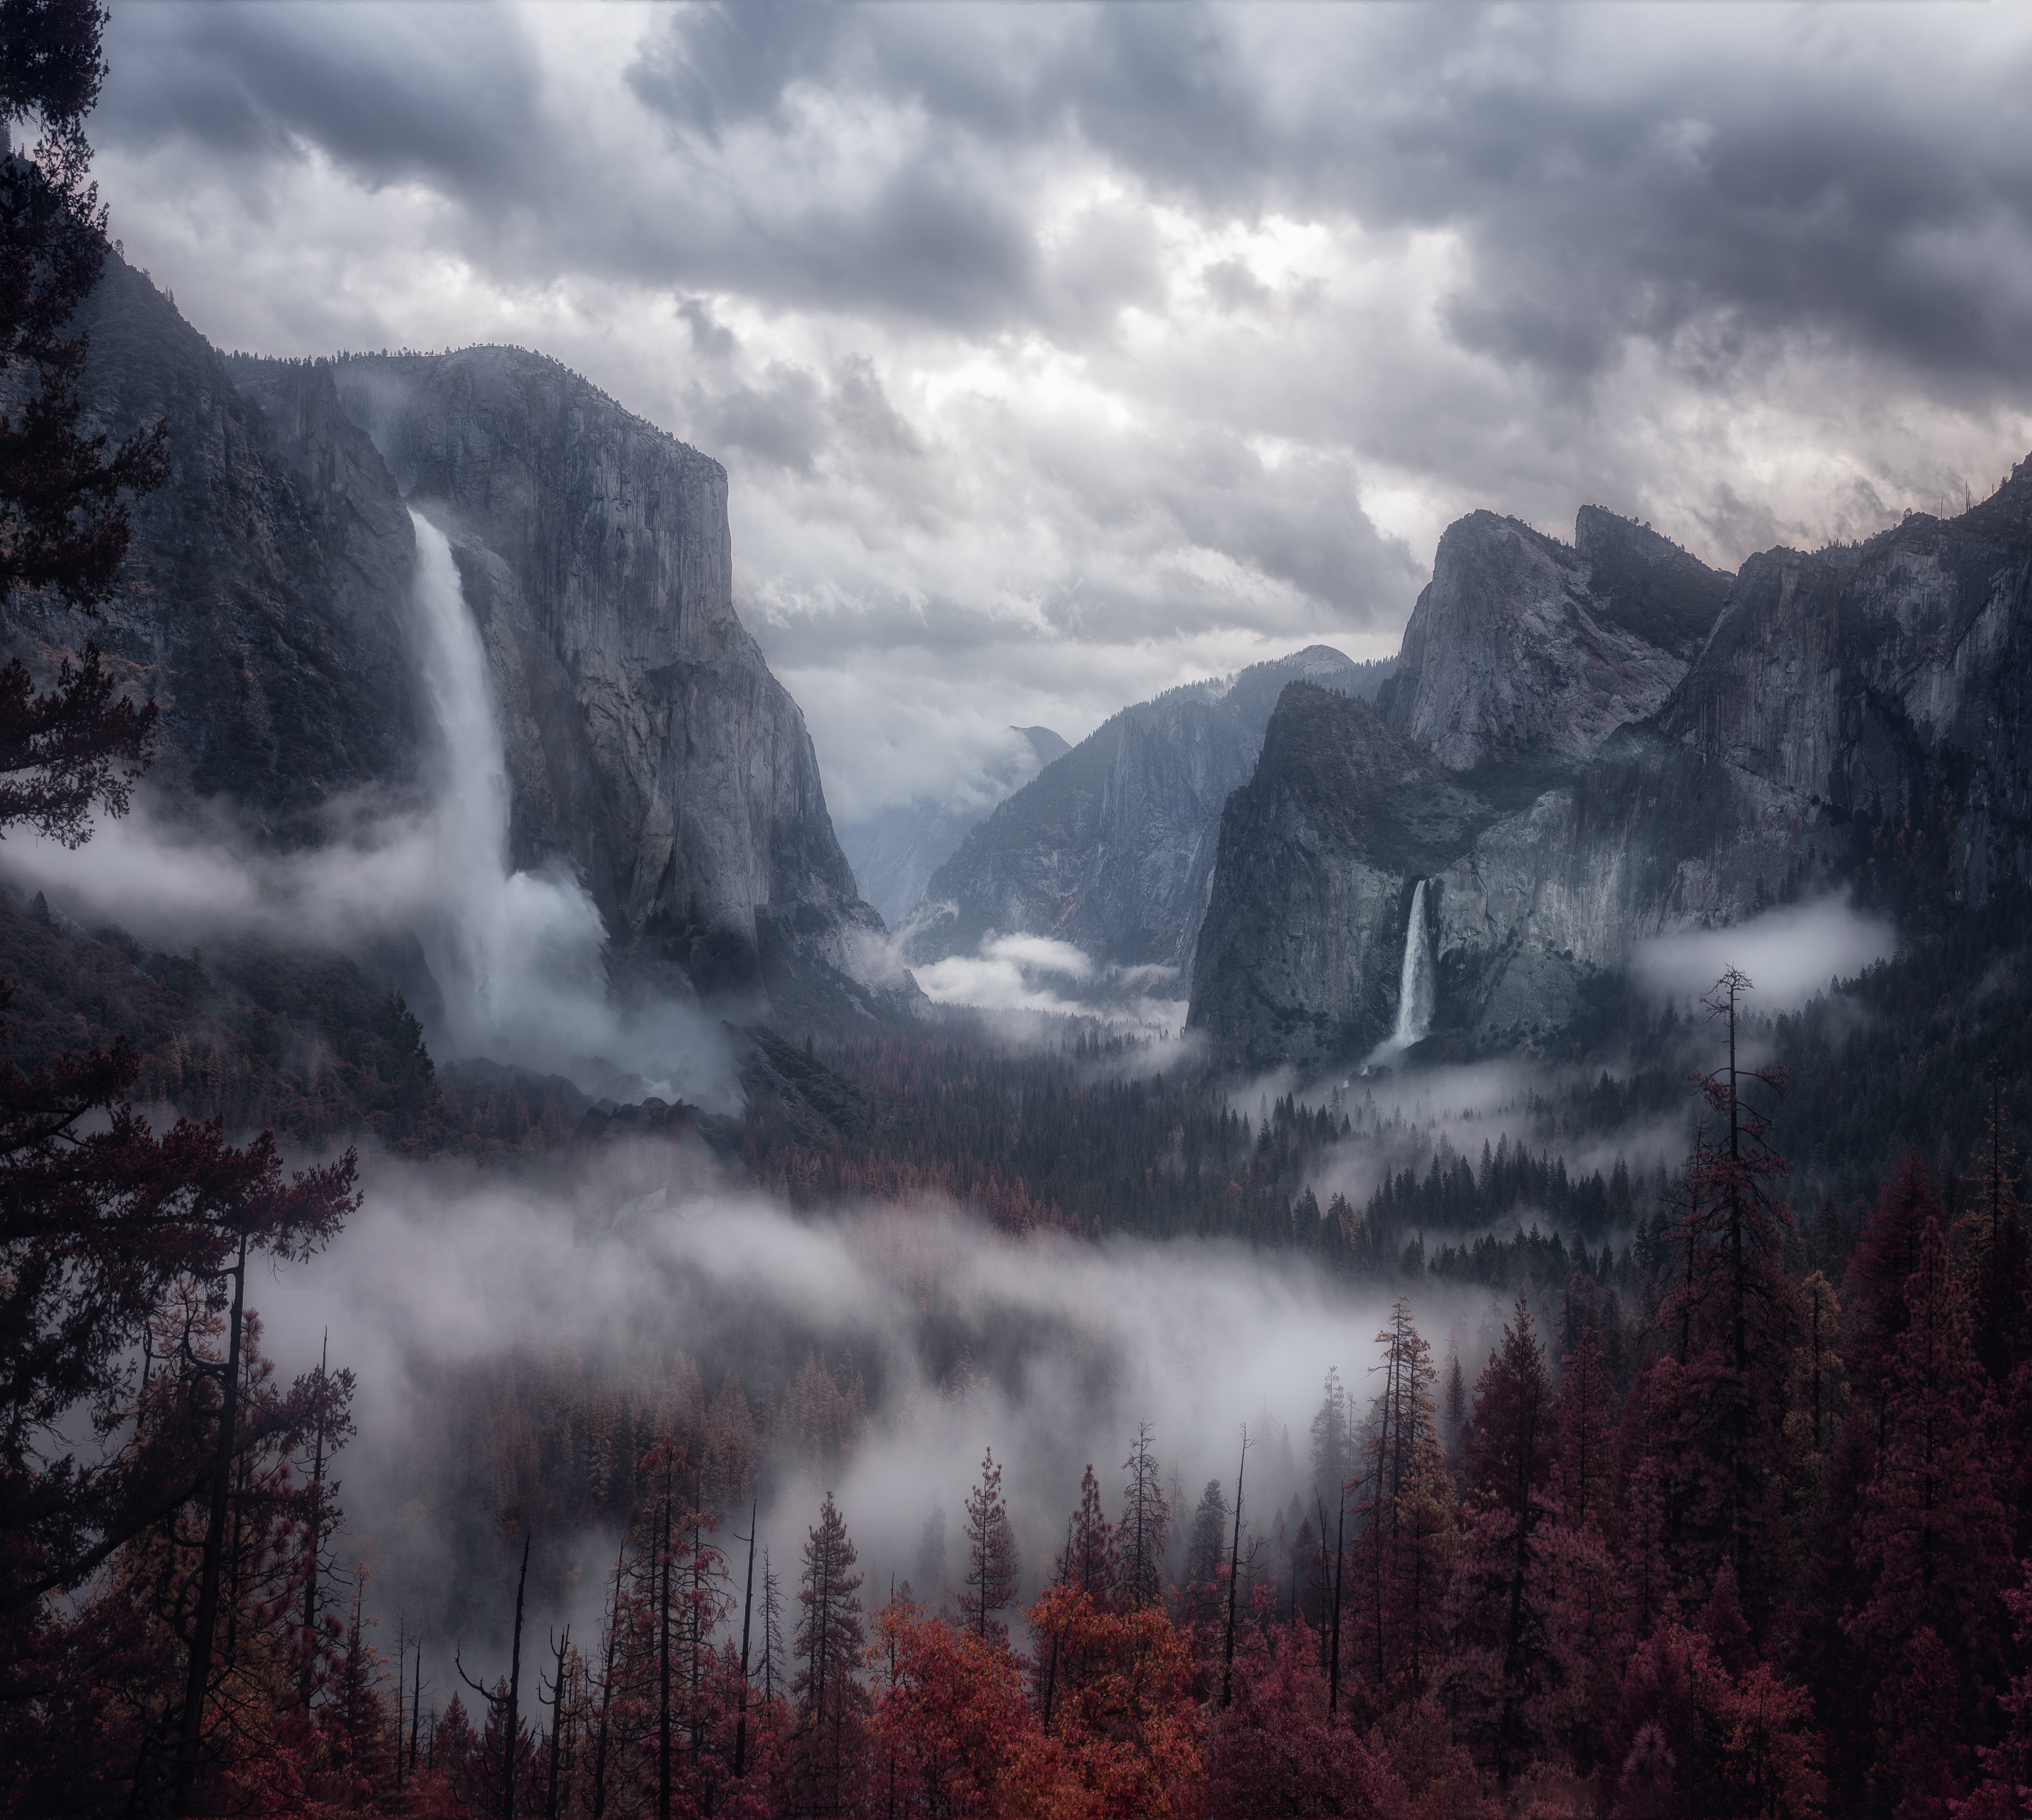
column 1416, row 990
column 517, row 954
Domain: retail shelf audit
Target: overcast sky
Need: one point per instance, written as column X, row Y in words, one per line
column 1058, row 354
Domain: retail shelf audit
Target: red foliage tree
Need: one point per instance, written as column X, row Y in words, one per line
column 1935, row 1543
column 1275, row 1751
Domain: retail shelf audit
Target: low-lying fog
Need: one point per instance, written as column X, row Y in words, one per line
column 1065, row 1347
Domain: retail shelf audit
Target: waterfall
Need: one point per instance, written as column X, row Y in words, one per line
column 517, row 954
column 1417, row 989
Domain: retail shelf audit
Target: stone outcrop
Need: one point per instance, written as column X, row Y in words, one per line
column 1839, row 702
column 1299, row 957
column 1524, row 647
column 1111, row 847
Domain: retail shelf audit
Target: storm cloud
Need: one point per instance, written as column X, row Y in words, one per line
column 1061, row 354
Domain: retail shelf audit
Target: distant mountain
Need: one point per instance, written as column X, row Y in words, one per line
column 893, row 854
column 1110, row 847
column 1565, row 782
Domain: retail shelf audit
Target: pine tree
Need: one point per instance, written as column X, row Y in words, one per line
column 1503, row 1595
column 1145, row 1524
column 1735, row 1316
column 1333, row 1442
column 990, row 1571
column 1091, row 1561
column 832, row 1702
column 1200, row 1599
column 1879, row 1271
column 1583, row 1435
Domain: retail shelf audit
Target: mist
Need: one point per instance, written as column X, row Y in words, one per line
column 1789, row 953
column 1048, row 1350
column 1037, row 973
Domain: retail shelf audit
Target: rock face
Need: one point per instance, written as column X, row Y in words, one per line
column 1301, row 949
column 1839, row 697
column 262, row 598
column 267, row 600
column 649, row 748
column 1111, row 847
column 1521, row 647
column 895, row 852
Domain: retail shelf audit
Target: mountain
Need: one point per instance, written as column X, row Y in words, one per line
column 895, row 853
column 1858, row 706
column 1110, row 847
column 268, row 600
column 1523, row 647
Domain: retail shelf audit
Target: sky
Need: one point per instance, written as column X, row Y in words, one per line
column 1058, row 354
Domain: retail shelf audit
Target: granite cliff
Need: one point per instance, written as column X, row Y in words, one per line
column 267, row 600
column 1521, row 647
column 1110, row 848
column 1840, row 700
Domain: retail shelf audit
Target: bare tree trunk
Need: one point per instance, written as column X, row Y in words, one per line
column 316, row 1489
column 663, row 1662
column 514, row 1691
column 1234, row 1575
column 1339, row 1568
column 557, row 1724
column 197, row 1680
column 606, row 1696
column 747, row 1607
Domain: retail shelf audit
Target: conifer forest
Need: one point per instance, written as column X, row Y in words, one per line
column 1440, row 1235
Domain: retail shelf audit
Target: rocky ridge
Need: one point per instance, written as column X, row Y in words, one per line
column 1838, row 697
column 1523, row 647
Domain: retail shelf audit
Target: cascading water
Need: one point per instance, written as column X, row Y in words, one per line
column 517, row 954
column 1417, row 991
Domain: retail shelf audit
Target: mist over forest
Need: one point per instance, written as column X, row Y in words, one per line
column 930, row 912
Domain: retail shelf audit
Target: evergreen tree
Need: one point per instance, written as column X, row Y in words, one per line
column 990, row 1571
column 1091, row 1561
column 1141, row 1534
column 1734, row 1314
column 1504, row 1597
column 832, row 1702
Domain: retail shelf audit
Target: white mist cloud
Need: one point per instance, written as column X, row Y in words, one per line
column 646, row 1253
column 1789, row 953
column 1036, row 974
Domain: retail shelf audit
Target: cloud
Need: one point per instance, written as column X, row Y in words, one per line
column 1789, row 954
column 1055, row 350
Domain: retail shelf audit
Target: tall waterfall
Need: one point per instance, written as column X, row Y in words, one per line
column 517, row 954
column 1417, row 991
